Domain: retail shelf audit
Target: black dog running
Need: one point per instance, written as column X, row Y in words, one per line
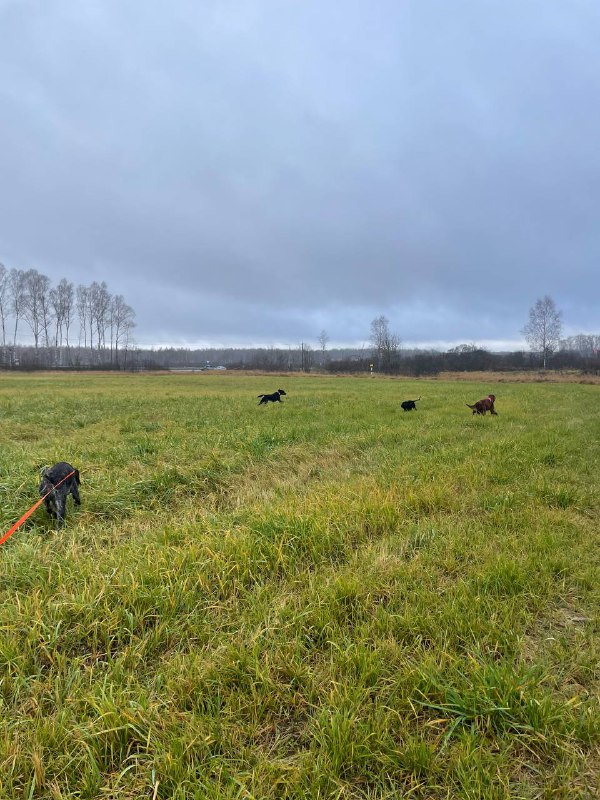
column 271, row 398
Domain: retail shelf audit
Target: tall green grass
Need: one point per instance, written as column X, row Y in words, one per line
column 327, row 598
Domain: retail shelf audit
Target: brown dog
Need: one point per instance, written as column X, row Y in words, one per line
column 487, row 404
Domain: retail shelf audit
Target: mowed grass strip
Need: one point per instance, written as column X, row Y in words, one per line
column 326, row 598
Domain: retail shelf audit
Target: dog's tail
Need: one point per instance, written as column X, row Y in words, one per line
column 417, row 400
column 468, row 406
column 261, row 395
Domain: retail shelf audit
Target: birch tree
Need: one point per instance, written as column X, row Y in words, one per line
column 62, row 301
column 82, row 311
column 543, row 330
column 122, row 323
column 36, row 304
column 18, row 297
column 323, row 340
column 101, row 298
column 4, row 300
column 385, row 343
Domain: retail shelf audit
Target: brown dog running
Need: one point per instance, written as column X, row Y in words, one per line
column 487, row 404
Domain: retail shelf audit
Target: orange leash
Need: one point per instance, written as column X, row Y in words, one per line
column 27, row 514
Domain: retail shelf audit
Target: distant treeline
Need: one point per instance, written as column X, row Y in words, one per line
column 578, row 352
column 477, row 360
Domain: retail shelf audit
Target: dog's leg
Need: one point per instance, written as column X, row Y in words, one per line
column 49, row 508
column 61, row 503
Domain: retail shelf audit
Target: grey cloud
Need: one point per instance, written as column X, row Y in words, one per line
column 259, row 171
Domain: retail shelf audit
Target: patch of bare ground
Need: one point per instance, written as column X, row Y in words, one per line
column 579, row 780
column 566, row 623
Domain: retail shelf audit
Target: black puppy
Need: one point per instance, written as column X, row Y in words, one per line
column 273, row 398
column 409, row 405
column 56, row 502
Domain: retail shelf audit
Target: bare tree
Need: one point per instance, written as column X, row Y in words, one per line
column 61, row 300
column 45, row 308
column 385, row 343
column 122, row 318
column 585, row 343
column 4, row 300
column 18, row 297
column 323, row 340
column 306, row 355
column 82, row 311
column 543, row 330
column 36, row 304
column 100, row 301
column 461, row 349
column 31, row 309
column 91, row 308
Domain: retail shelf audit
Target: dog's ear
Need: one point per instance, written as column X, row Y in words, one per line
column 77, row 478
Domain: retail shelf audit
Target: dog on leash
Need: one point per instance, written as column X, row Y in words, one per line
column 409, row 405
column 56, row 501
column 481, row 406
column 271, row 398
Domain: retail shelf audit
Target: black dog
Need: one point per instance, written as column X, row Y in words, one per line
column 273, row 398
column 409, row 405
column 56, row 502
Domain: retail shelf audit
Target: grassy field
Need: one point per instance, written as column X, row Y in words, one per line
column 327, row 598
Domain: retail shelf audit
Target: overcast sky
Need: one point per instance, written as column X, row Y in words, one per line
column 254, row 172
